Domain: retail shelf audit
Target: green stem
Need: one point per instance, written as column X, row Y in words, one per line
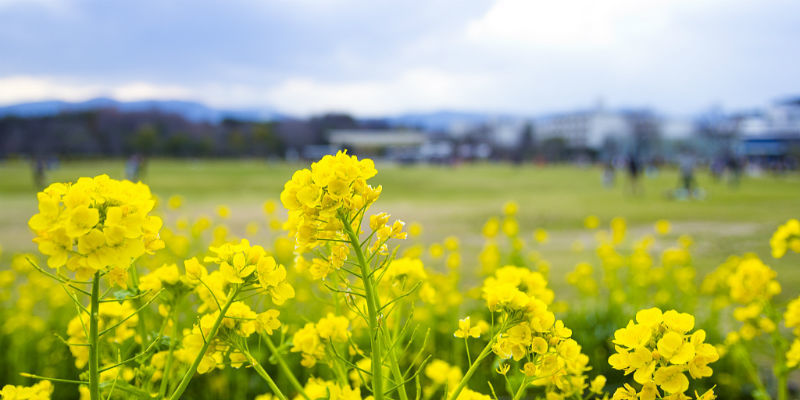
column 779, row 368
column 522, row 387
column 398, row 376
column 780, row 345
column 193, row 368
column 474, row 366
column 744, row 357
column 466, row 347
column 46, row 378
column 260, row 370
column 395, row 363
column 337, row 368
column 168, row 364
column 134, row 276
column 94, row 354
column 285, row 367
column 372, row 310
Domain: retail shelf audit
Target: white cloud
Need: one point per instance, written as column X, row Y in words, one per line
column 148, row 91
column 16, row 89
column 22, row 88
column 416, row 89
column 577, row 24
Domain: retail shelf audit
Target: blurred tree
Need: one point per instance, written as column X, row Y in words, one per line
column 266, row 141
column 145, row 140
column 527, row 145
column 237, row 142
column 554, row 149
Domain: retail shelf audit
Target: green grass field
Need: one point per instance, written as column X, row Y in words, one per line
column 457, row 200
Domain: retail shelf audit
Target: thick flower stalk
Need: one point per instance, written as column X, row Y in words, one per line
column 327, row 205
column 95, row 227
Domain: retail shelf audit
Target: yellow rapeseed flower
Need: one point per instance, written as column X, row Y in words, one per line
column 465, row 329
column 663, row 227
column 659, row 350
column 96, row 224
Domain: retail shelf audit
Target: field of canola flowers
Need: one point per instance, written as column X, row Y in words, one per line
column 344, row 303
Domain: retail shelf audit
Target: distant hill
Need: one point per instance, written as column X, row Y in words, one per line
column 192, row 111
column 198, row 112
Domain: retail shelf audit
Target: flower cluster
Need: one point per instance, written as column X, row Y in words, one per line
column 549, row 355
column 404, row 273
column 240, row 266
column 658, row 349
column 315, row 197
column 39, row 391
column 441, row 375
column 239, row 261
column 383, row 232
column 311, row 340
column 490, row 255
column 516, row 287
column 166, row 275
column 792, row 319
column 715, row 283
column 240, row 321
column 752, row 284
column 468, row 394
column 582, row 277
column 753, row 281
column 786, row 237
column 543, row 345
column 317, row 388
column 95, row 224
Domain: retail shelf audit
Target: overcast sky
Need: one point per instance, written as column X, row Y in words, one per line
column 374, row 57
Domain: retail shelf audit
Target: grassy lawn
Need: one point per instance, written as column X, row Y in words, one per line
column 457, row 200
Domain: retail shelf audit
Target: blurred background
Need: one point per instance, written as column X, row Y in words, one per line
column 680, row 110
column 685, row 110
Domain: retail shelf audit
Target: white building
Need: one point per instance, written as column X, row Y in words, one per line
column 677, row 128
column 781, row 118
column 584, row 129
column 771, row 134
column 394, row 143
column 506, row 132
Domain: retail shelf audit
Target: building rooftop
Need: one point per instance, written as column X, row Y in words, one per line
column 364, row 137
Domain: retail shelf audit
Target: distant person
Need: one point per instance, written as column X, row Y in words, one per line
column 718, row 168
column 734, row 166
column 38, row 173
column 133, row 168
column 687, row 166
column 652, row 170
column 634, row 171
column 609, row 174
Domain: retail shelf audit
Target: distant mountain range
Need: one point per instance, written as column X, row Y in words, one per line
column 198, row 112
column 192, row 111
